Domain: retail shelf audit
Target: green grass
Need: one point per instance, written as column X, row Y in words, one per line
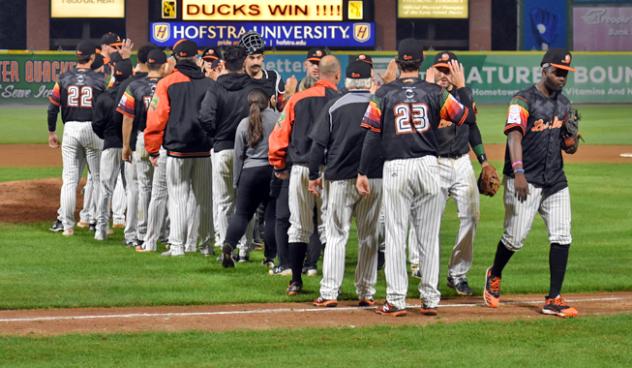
column 39, row 269
column 28, row 173
column 601, row 124
column 546, row 342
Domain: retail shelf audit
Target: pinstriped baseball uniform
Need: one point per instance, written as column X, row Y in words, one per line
column 88, row 213
column 119, row 202
column 302, row 204
column 337, row 132
column 157, row 212
column 401, row 119
column 110, row 167
column 74, row 94
column 131, row 193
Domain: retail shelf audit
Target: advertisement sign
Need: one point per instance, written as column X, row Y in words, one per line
column 602, row 28
column 256, row 10
column 544, row 24
column 278, row 35
column 27, row 78
column 449, row 9
column 87, row 9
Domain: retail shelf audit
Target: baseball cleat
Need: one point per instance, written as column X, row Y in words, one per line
column 389, row 309
column 100, row 235
column 92, row 226
column 294, row 288
column 227, row 256
column 322, row 302
column 558, row 307
column 491, row 294
column 56, row 227
column 366, row 302
column 174, row 251
column 428, row 311
column 83, row 224
column 280, row 271
column 461, row 286
column 68, row 232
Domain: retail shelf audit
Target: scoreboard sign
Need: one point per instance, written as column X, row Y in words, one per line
column 438, row 9
column 87, row 8
column 277, row 34
column 257, row 10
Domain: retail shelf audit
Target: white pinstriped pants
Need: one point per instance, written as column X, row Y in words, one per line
column 344, row 202
column 144, row 175
column 88, row 212
column 223, row 191
column 110, row 168
column 79, row 144
column 157, row 212
column 119, row 202
column 187, row 176
column 131, row 193
column 554, row 209
column 302, row 204
column 412, row 194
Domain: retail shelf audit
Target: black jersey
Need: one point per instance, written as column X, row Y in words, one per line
column 338, row 132
column 539, row 118
column 453, row 140
column 106, row 123
column 405, row 112
column 135, row 102
column 74, row 93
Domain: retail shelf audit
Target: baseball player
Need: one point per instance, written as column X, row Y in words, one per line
column 74, row 94
column 455, row 168
column 222, row 110
column 289, row 142
column 213, row 65
column 337, row 132
column 133, row 107
column 534, row 178
column 107, row 126
column 402, row 120
column 172, row 122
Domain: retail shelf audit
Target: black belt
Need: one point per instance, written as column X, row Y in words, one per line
column 451, row 155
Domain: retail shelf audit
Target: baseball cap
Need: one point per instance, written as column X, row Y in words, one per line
column 185, row 48
column 358, row 69
column 98, row 62
column 156, row 57
column 559, row 58
column 111, row 39
column 315, row 54
column 252, row 42
column 410, row 49
column 123, row 70
column 86, row 48
column 365, row 58
column 143, row 52
column 211, row 54
column 443, row 58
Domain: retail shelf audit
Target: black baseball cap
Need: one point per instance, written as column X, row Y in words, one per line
column 143, row 52
column 111, row 39
column 410, row 49
column 358, row 69
column 365, row 58
column 86, row 48
column 315, row 54
column 123, row 70
column 156, row 57
column 443, row 58
column 98, row 62
column 211, row 54
column 559, row 58
column 185, row 48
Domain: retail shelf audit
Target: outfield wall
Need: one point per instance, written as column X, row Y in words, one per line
column 27, row 77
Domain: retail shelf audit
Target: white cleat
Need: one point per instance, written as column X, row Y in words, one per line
column 68, row 232
column 174, row 251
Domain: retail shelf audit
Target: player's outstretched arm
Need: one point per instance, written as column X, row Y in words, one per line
column 514, row 142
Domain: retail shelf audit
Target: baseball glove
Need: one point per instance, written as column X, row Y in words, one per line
column 570, row 132
column 488, row 181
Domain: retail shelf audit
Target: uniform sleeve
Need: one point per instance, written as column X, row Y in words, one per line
column 452, row 110
column 208, row 111
column 127, row 105
column 54, row 100
column 157, row 117
column 371, row 152
column 372, row 119
column 280, row 137
column 517, row 116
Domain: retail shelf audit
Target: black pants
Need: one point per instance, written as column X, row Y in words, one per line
column 253, row 189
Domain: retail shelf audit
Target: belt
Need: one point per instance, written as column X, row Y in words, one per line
column 452, row 155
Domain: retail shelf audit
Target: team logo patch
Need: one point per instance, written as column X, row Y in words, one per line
column 362, row 32
column 445, row 57
column 567, row 59
column 161, row 32
column 514, row 115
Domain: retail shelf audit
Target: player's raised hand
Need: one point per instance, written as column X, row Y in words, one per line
column 391, row 72
column 362, row 185
column 315, row 187
column 457, row 75
column 521, row 187
column 430, row 75
column 290, row 85
column 53, row 141
column 126, row 49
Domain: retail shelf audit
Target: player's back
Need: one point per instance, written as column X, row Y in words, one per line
column 76, row 91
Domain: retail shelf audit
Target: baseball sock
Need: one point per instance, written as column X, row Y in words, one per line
column 558, row 257
column 297, row 255
column 503, row 255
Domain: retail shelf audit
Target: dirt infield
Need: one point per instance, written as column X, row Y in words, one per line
column 291, row 315
column 40, row 155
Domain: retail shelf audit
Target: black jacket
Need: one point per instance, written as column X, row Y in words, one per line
column 106, row 123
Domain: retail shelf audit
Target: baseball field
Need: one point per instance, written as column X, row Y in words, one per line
column 73, row 302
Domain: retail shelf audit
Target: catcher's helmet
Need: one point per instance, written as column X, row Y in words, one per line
column 252, row 42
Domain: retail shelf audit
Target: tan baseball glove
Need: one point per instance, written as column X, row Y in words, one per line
column 488, row 181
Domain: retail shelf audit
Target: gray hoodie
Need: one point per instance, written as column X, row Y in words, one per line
column 247, row 157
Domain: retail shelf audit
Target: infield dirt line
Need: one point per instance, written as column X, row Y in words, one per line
column 273, row 310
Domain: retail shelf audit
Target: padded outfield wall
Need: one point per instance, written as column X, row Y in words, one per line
column 26, row 77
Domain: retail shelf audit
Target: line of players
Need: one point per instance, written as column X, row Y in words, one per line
column 167, row 131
